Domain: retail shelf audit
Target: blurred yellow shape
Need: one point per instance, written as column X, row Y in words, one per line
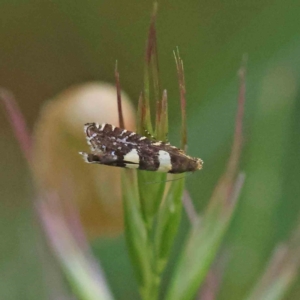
column 59, row 169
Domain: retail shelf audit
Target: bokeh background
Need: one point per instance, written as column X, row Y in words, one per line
column 47, row 46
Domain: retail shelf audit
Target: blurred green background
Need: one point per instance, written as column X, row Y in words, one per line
column 46, row 46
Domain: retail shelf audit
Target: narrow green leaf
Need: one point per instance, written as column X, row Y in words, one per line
column 281, row 272
column 206, row 236
column 135, row 231
column 139, row 234
column 168, row 220
column 152, row 184
column 151, row 190
column 79, row 267
column 274, row 286
column 201, row 248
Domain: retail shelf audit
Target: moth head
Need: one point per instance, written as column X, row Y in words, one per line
column 88, row 158
column 193, row 164
column 199, row 163
column 90, row 129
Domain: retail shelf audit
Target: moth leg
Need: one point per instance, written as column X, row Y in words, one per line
column 104, row 159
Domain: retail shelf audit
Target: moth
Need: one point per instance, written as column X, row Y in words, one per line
column 114, row 146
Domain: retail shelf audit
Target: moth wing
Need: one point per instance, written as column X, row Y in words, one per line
column 168, row 148
column 108, row 160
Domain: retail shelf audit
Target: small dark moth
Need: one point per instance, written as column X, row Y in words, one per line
column 114, row 146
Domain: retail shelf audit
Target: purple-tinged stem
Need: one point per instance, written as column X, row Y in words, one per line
column 161, row 126
column 141, row 115
column 151, row 41
column 154, row 56
column 182, row 90
column 151, row 64
column 210, row 288
column 189, row 208
column 118, row 87
column 238, row 134
column 79, row 265
column 17, row 122
column 225, row 187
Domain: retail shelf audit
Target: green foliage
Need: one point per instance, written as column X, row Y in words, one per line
column 152, row 211
column 212, row 38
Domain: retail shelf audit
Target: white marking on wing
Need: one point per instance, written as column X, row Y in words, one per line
column 102, row 126
column 132, row 156
column 157, row 144
column 91, row 137
column 142, row 138
column 165, row 164
column 124, row 131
